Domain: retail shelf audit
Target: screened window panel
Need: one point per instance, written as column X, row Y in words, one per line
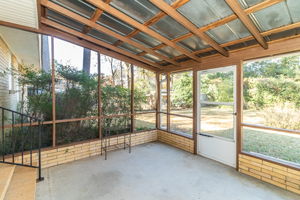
column 115, row 86
column 145, row 121
column 272, row 144
column 144, row 90
column 249, row 3
column 80, row 7
column 202, row 13
column 228, row 32
column 76, row 87
column 145, row 39
column 66, row 21
column 115, row 24
column 169, row 52
column 130, row 48
column 115, row 126
column 102, row 36
column 69, row 132
column 140, row 10
column 181, row 125
column 169, row 28
column 151, row 58
column 193, row 43
column 181, row 93
column 163, row 93
column 163, row 121
column 272, row 17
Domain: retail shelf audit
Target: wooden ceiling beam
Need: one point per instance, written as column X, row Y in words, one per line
column 107, row 8
column 245, row 19
column 95, row 41
column 252, row 9
column 189, row 25
column 97, row 26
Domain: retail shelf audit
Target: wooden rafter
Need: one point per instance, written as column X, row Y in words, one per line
column 252, row 9
column 95, row 41
column 141, row 27
column 189, row 25
column 93, row 24
column 242, row 15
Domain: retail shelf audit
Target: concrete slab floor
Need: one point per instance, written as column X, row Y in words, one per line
column 153, row 171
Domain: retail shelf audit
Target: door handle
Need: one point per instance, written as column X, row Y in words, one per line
column 205, row 135
column 235, row 114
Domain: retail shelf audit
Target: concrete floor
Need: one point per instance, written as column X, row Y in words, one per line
column 153, row 171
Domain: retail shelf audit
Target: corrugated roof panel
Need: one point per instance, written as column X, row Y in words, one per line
column 249, row 3
column 66, row 21
column 228, row 32
column 146, row 39
column 205, row 12
column 102, row 36
column 23, row 12
column 80, row 7
column 193, row 43
column 151, row 58
column 169, row 52
column 115, row 24
column 169, row 28
column 140, row 10
column 284, row 34
column 130, row 48
column 294, row 8
column 272, row 17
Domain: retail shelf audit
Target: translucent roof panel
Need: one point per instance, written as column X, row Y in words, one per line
column 169, row 28
column 146, row 39
column 294, row 8
column 193, row 43
column 241, row 45
column 249, row 3
column 66, row 21
column 115, row 24
column 169, row 52
column 233, row 30
column 80, row 7
column 205, row 12
column 130, row 48
column 272, row 17
column 102, row 36
column 151, row 58
column 170, row 2
column 140, row 10
column 284, row 34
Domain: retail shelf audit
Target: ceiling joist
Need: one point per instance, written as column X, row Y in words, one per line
column 189, row 25
column 107, row 8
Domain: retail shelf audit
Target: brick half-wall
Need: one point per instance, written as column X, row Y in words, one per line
column 175, row 140
column 281, row 176
column 68, row 153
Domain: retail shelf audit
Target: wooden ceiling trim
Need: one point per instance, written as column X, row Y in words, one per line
column 141, row 27
column 189, row 25
column 252, row 9
column 95, row 41
column 93, row 24
column 242, row 15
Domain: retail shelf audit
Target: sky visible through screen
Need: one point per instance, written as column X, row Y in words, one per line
column 67, row 53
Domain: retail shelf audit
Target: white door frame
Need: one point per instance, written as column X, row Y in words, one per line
column 222, row 142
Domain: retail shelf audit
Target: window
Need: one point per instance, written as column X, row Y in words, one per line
column 271, row 109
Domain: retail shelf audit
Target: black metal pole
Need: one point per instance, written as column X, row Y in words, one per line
column 39, row 153
column 3, row 136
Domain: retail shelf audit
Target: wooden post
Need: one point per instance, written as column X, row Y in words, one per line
column 195, row 109
column 168, row 102
column 132, row 99
column 157, row 100
column 99, row 97
column 53, row 95
column 239, row 109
